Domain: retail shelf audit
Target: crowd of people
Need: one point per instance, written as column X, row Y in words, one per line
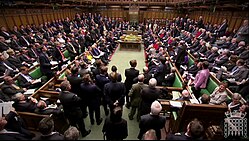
column 90, row 40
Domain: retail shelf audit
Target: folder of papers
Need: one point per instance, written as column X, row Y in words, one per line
column 177, row 104
column 29, row 91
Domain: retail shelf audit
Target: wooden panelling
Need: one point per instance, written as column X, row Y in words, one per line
column 3, row 21
column 17, row 20
column 23, row 19
column 30, row 19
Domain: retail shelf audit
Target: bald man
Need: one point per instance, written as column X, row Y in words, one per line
column 135, row 96
column 185, row 96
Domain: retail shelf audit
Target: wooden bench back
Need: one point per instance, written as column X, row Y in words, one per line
column 206, row 113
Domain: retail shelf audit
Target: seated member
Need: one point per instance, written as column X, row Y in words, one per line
column 10, row 88
column 195, row 131
column 46, row 128
column 30, row 104
column 26, row 81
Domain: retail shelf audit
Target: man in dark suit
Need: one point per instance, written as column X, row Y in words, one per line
column 46, row 128
column 148, row 95
column 71, row 49
column 152, row 120
column 13, row 59
column 5, row 33
column 9, row 88
column 10, row 135
column 32, row 51
column 15, row 43
column 114, row 92
column 170, row 78
column 222, row 29
column 26, row 81
column 130, row 74
column 75, row 82
column 100, row 80
column 58, row 55
column 3, row 45
column 195, row 131
column 92, row 96
column 71, row 106
column 6, row 68
column 23, row 103
column 45, row 66
column 181, row 53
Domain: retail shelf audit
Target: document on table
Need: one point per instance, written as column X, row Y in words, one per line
column 54, row 63
column 37, row 81
column 175, row 95
column 177, row 104
column 29, row 91
column 194, row 101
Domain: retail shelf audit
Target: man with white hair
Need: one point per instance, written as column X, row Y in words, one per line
column 153, row 120
column 135, row 96
column 148, row 95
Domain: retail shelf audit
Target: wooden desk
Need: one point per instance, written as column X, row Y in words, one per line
column 135, row 32
column 128, row 45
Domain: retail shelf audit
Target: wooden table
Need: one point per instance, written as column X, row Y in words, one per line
column 133, row 32
column 130, row 45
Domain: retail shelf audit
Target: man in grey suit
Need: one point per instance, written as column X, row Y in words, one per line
column 243, row 32
column 135, row 96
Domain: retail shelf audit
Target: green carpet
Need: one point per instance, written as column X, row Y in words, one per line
column 121, row 60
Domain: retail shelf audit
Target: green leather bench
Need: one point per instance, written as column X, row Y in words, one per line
column 35, row 74
column 177, row 82
column 66, row 54
column 211, row 85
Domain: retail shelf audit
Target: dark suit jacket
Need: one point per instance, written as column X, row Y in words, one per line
column 45, row 65
column 6, row 36
column 212, row 57
column 13, row 136
column 115, row 130
column 15, row 61
column 92, row 94
column 222, row 29
column 72, row 54
column 101, row 80
column 148, row 95
column 114, row 91
column 10, row 90
column 15, row 45
column 4, row 46
column 169, row 80
column 75, row 82
column 161, row 71
column 3, row 69
column 221, row 61
column 32, row 54
column 71, row 105
column 54, row 136
column 130, row 74
column 148, row 122
column 16, row 124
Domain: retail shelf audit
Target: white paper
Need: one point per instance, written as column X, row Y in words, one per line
column 54, row 63
column 175, row 104
column 37, row 81
column 44, row 98
column 176, row 95
column 35, row 63
column 194, row 101
column 29, row 91
column 7, row 107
